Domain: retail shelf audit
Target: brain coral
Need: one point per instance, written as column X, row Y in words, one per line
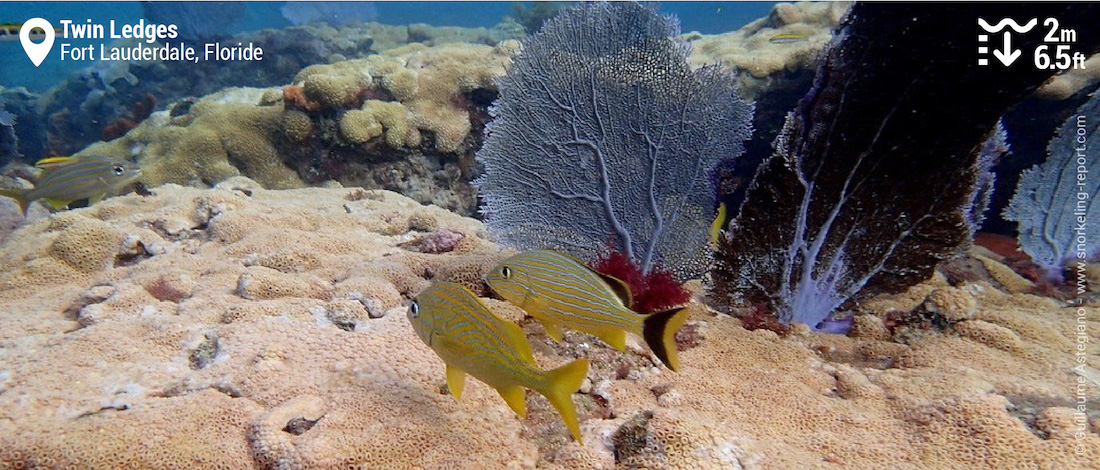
column 427, row 86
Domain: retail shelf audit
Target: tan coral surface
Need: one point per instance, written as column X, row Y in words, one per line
column 239, row 327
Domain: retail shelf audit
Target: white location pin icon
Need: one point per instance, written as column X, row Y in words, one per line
column 37, row 52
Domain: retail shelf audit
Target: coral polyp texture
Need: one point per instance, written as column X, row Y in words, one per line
column 603, row 134
column 867, row 192
column 239, row 327
column 1053, row 200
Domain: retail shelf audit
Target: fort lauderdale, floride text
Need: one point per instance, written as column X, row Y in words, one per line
column 163, row 52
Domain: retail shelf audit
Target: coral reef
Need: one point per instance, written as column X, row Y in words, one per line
column 126, row 319
column 604, row 135
column 223, row 135
column 142, row 110
column 407, row 120
column 814, row 230
column 768, row 64
column 74, row 113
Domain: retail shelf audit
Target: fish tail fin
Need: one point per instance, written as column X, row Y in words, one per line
column 559, row 387
column 20, row 196
column 659, row 330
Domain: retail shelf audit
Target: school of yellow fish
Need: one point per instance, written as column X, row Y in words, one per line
column 556, row 290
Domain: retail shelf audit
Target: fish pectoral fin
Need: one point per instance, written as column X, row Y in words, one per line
column 535, row 303
column 552, row 329
column 517, row 339
column 516, row 399
column 614, row 337
column 95, row 199
column 456, row 381
column 56, row 203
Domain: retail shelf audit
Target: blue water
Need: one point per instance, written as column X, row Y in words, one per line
column 705, row 17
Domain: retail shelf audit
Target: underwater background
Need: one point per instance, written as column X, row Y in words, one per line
column 551, row 235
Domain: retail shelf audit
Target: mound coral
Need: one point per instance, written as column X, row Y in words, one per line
column 318, row 367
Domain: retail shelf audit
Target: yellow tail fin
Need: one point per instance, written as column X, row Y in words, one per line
column 20, row 196
column 659, row 331
column 559, row 387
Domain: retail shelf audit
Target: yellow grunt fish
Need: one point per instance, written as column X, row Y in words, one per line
column 559, row 290
column 472, row 340
column 10, row 32
column 788, row 38
column 68, row 179
column 716, row 226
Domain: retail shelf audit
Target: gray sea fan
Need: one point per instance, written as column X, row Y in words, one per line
column 1049, row 197
column 603, row 135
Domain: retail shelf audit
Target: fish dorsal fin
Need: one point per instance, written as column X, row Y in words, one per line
column 53, row 162
column 618, row 287
column 456, row 381
column 514, row 396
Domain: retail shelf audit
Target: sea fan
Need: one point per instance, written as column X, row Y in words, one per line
column 1054, row 203
column 874, row 172
column 603, row 130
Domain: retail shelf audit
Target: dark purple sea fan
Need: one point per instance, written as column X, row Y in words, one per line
column 874, row 172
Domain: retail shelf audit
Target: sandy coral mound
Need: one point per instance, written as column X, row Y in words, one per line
column 223, row 135
column 427, row 84
column 755, row 51
column 238, row 327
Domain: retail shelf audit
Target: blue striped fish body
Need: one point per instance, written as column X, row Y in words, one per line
column 558, row 290
column 67, row 179
column 470, row 339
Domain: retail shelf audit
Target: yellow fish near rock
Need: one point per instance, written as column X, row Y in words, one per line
column 68, row 179
column 472, row 340
column 558, row 290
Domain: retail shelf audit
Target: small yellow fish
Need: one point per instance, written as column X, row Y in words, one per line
column 68, row 179
column 10, row 32
column 472, row 340
column 788, row 38
column 716, row 226
column 559, row 290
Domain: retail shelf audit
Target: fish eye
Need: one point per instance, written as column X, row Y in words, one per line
column 414, row 310
column 506, row 272
column 119, row 170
